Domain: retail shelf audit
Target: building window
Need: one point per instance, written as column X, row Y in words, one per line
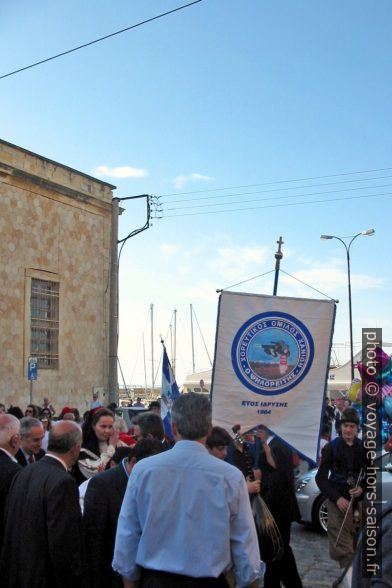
column 45, row 323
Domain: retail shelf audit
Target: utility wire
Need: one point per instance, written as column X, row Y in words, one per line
column 278, row 205
column 369, row 171
column 100, row 39
column 197, row 199
column 278, row 197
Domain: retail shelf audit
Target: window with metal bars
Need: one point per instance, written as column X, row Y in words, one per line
column 45, row 323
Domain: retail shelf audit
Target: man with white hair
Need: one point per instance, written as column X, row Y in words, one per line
column 9, row 445
column 31, row 435
column 43, row 544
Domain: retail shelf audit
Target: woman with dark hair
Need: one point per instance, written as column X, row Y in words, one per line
column 100, row 440
column 31, row 411
column 45, row 412
column 16, row 411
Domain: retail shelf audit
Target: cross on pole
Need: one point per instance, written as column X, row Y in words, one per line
column 278, row 257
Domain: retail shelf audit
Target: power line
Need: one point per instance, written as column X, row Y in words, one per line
column 100, row 39
column 277, row 189
column 369, row 171
column 279, row 197
column 278, row 205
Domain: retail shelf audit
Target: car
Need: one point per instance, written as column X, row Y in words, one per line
column 128, row 412
column 313, row 504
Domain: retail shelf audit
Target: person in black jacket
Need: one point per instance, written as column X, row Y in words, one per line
column 43, row 545
column 338, row 479
column 102, row 504
column 277, row 490
column 9, row 445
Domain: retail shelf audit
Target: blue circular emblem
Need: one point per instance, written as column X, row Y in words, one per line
column 272, row 352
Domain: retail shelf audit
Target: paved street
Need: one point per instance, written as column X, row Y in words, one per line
column 310, row 548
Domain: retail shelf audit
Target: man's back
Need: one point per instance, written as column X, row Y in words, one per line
column 42, row 539
column 102, row 505
column 186, row 512
column 8, row 469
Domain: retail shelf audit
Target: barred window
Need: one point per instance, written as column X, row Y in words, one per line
column 45, row 323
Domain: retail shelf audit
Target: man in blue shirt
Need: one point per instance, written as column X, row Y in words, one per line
column 186, row 517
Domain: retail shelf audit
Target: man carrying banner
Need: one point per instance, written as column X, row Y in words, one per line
column 338, row 478
column 186, row 517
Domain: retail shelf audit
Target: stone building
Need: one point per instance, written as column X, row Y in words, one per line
column 55, row 227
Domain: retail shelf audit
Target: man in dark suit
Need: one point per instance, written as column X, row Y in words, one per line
column 43, row 544
column 32, row 433
column 102, row 504
column 9, row 445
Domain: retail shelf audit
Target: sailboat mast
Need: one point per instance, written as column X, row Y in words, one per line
column 175, row 343
column 152, row 347
column 145, row 371
column 193, row 347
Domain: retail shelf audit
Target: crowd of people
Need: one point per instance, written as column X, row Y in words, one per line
column 81, row 505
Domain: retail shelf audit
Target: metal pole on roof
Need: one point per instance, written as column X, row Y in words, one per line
column 113, row 306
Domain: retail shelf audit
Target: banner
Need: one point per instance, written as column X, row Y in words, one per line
column 169, row 394
column 271, row 365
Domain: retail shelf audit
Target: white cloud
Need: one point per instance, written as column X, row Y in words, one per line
column 120, row 172
column 202, row 290
column 330, row 278
column 237, row 263
column 168, row 249
column 180, row 181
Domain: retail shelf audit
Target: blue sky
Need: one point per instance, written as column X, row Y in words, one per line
column 221, row 94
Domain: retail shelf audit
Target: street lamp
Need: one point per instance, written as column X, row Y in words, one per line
column 366, row 233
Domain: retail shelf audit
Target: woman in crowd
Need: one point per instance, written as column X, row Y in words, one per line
column 31, row 411
column 45, row 418
column 16, row 411
column 100, row 440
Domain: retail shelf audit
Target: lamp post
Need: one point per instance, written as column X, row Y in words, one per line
column 366, row 233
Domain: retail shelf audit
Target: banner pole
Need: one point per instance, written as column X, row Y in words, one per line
column 278, row 257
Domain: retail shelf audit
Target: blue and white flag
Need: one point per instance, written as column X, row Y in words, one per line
column 170, row 393
column 271, row 365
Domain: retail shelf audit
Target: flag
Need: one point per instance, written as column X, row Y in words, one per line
column 271, row 365
column 170, row 393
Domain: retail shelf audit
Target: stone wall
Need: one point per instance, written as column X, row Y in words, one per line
column 55, row 225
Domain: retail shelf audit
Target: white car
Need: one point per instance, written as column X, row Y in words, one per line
column 313, row 504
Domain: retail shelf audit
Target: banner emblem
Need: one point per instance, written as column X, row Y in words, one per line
column 272, row 352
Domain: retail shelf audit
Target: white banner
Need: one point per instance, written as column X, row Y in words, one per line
column 271, row 365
